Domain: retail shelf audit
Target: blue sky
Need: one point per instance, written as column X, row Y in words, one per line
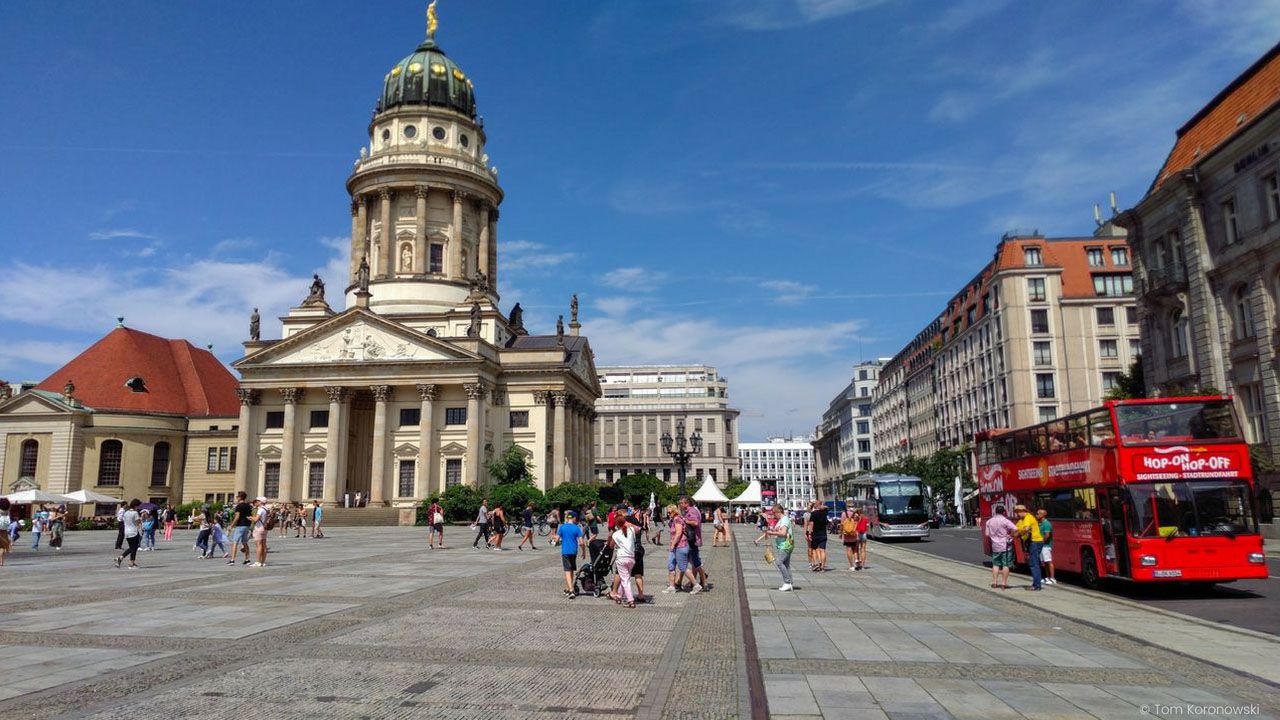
column 777, row 188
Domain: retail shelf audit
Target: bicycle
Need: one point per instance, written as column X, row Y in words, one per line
column 541, row 525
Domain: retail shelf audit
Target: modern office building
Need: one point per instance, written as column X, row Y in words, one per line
column 785, row 462
column 1206, row 240
column 844, row 441
column 641, row 402
column 1045, row 329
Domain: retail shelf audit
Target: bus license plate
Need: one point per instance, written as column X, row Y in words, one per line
column 1166, row 573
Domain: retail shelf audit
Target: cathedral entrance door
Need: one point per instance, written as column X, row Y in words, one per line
column 359, row 446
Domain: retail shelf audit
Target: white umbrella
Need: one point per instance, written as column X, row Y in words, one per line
column 28, row 497
column 85, row 497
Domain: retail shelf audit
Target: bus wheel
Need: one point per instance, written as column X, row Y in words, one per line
column 1089, row 569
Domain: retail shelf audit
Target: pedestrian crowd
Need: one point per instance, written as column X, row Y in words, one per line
column 779, row 528
column 1032, row 529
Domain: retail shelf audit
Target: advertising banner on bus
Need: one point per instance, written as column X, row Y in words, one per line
column 1187, row 462
column 1085, row 466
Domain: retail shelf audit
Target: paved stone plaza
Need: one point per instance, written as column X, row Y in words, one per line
column 368, row 623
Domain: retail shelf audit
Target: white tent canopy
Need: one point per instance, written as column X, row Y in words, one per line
column 28, row 497
column 751, row 496
column 709, row 493
column 84, row 497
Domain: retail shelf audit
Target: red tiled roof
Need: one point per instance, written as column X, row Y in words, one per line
column 179, row 378
column 1250, row 94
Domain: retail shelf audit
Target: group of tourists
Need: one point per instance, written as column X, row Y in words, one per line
column 44, row 522
column 779, row 528
column 1033, row 529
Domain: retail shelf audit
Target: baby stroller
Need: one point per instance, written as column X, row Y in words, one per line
column 593, row 577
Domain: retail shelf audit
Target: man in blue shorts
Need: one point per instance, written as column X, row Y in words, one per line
column 569, row 533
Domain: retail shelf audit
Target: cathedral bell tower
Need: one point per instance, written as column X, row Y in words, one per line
column 424, row 198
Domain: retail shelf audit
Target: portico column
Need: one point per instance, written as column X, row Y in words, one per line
column 386, row 255
column 427, row 442
column 493, row 249
column 335, row 440
column 482, row 256
column 422, row 260
column 246, row 439
column 378, row 473
column 475, row 432
column 291, row 397
column 455, row 238
column 357, row 238
column 591, row 443
column 560, row 398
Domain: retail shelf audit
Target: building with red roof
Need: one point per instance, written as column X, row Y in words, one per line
column 134, row 415
column 1206, row 242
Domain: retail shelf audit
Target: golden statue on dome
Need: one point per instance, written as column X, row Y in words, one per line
column 432, row 21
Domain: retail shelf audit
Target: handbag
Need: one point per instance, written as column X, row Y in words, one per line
column 437, row 519
column 768, row 555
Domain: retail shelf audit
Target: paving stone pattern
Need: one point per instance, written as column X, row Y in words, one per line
column 892, row 642
column 367, row 623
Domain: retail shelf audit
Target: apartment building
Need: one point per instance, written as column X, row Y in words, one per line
column 785, row 463
column 642, row 402
column 1206, row 242
column 1045, row 329
column 844, row 442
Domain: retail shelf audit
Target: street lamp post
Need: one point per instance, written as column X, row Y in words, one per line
column 681, row 449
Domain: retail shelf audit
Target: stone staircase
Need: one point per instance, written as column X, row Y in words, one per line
column 367, row 516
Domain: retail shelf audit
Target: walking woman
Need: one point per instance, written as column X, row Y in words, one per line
column 526, row 528
column 170, row 518
column 201, row 520
column 435, row 516
column 57, row 526
column 721, row 523
column 783, row 544
column 623, row 541
column 499, row 519
column 5, row 543
column 131, row 522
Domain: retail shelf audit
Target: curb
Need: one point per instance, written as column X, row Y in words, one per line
column 1104, row 628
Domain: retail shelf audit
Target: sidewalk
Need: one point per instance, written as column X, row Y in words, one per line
column 1236, row 649
column 899, row 641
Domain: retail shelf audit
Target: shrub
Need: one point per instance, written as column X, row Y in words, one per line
column 572, row 496
column 514, row 496
column 460, row 502
column 637, row 488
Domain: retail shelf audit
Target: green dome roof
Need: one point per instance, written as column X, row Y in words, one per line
column 428, row 77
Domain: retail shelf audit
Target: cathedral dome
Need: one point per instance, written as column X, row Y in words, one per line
column 428, row 77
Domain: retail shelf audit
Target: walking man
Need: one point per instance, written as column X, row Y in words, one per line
column 569, row 533
column 317, row 513
column 693, row 523
column 131, row 521
column 241, row 521
column 482, row 526
column 1046, row 553
column 1029, row 529
column 816, row 534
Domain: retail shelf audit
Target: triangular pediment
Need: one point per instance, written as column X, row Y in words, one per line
column 315, row 452
column 270, row 452
column 356, row 336
column 405, row 450
column 34, row 403
column 453, row 448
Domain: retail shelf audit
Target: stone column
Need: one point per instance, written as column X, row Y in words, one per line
column 378, row 474
column 455, row 238
column 560, row 398
column 335, row 442
column 427, row 442
column 493, row 249
column 591, row 443
column 541, row 463
column 422, row 257
column 482, row 256
column 287, row 450
column 246, row 439
column 357, row 238
column 475, row 433
column 387, row 253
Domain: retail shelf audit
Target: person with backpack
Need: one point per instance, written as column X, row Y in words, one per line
column 783, row 544
column 5, row 543
column 170, row 518
column 849, row 535
column 435, row 520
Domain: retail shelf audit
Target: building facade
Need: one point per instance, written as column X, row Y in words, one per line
column 1206, row 241
column 130, row 417
column 1045, row 329
column 843, row 442
column 421, row 380
column 785, row 464
column 641, row 402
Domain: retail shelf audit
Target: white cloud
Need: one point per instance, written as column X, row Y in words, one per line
column 20, row 355
column 993, row 83
column 616, row 305
column 781, row 14
column 788, row 291
column 521, row 255
column 204, row 301
column 118, row 234
column 633, row 278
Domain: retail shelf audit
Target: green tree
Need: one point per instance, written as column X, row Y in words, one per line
column 511, row 467
column 734, row 489
column 1129, row 385
column 637, row 488
column 460, row 502
column 514, row 496
column 572, row 496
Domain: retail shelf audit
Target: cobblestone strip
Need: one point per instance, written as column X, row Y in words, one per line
column 216, row 655
column 752, row 701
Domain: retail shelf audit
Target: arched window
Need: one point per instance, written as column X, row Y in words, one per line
column 1241, row 313
column 1178, row 339
column 29, row 459
column 160, row 464
column 109, row 462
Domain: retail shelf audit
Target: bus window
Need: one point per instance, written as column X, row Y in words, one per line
column 1161, row 510
column 1039, row 440
column 1176, row 422
column 1100, row 432
column 1057, row 435
column 1077, row 431
column 1084, row 504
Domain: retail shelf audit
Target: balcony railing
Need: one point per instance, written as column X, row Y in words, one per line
column 1166, row 278
column 393, row 158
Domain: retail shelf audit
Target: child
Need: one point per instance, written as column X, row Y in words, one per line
column 219, row 539
column 148, row 531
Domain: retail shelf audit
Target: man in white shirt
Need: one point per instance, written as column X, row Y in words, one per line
column 131, row 528
column 260, row 515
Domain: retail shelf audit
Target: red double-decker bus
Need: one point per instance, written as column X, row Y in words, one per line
column 1157, row 489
